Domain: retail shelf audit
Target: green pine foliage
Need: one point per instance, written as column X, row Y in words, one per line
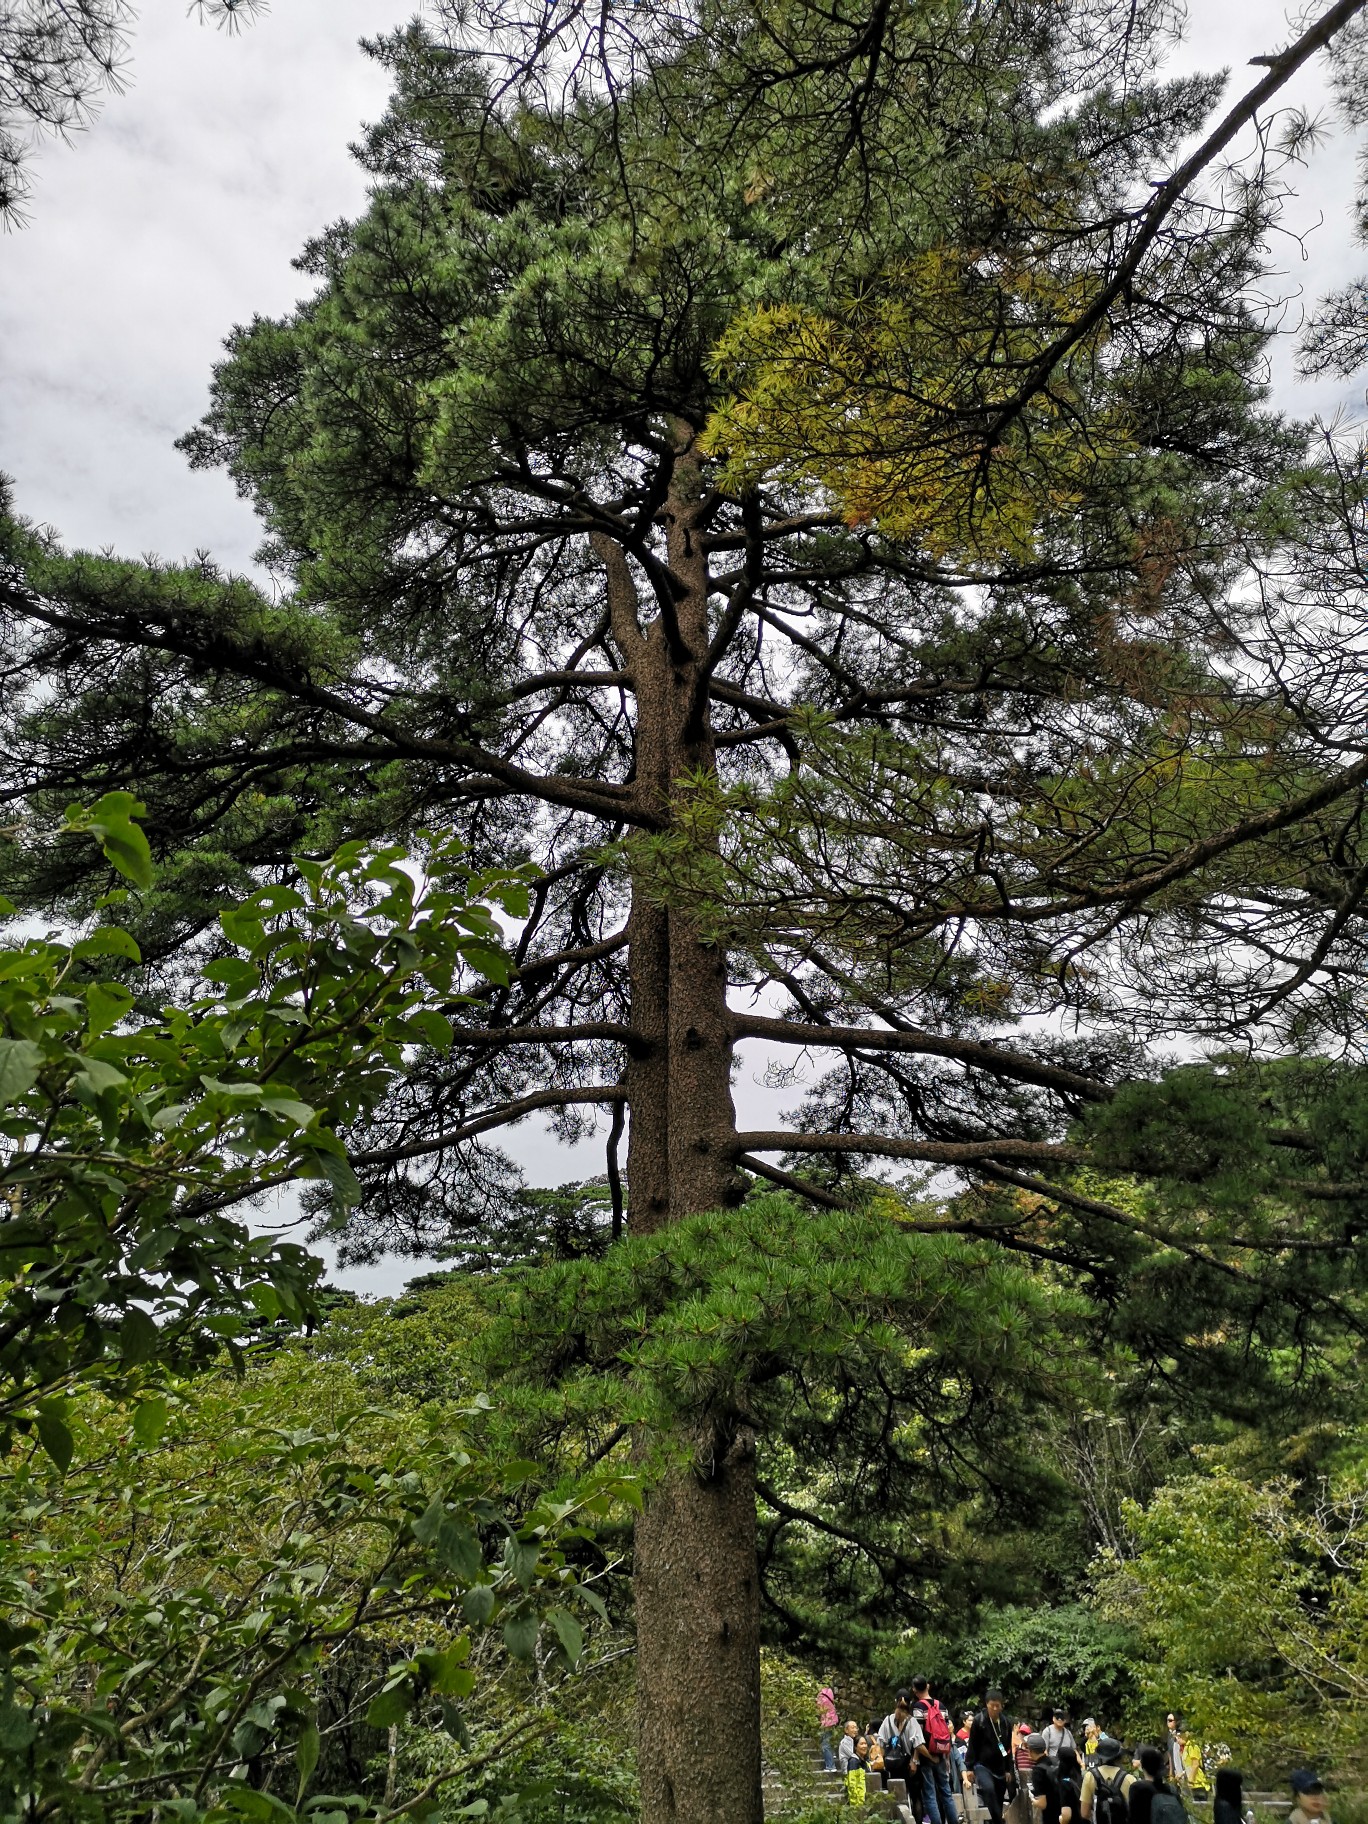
column 891, row 1379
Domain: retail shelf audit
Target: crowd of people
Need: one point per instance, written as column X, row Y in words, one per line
column 1023, row 1774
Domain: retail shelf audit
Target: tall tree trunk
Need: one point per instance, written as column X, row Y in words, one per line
column 698, row 1643
column 695, row 1572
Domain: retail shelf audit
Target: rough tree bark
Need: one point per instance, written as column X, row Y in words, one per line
column 695, row 1574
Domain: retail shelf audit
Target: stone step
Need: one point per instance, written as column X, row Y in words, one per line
column 890, row 1806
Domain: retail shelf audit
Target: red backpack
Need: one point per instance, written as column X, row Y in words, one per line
column 938, row 1732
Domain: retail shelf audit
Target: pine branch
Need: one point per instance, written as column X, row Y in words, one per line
column 211, row 646
column 889, row 1146
column 1166, row 198
column 973, row 1053
column 502, row 1116
column 788, row 1181
column 498, row 1038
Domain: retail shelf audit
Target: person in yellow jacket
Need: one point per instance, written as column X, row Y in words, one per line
column 1194, row 1773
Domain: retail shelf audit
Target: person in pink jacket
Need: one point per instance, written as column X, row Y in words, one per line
column 827, row 1719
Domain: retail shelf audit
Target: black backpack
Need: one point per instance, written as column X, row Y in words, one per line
column 1167, row 1808
column 1109, row 1799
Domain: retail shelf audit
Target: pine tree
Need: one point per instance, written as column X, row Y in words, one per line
column 903, row 764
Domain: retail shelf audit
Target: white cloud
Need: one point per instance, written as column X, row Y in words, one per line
column 176, row 216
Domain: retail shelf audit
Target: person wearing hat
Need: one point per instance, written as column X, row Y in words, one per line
column 1092, row 1735
column 1106, row 1784
column 1311, row 1805
column 1046, row 1806
column 1059, row 1735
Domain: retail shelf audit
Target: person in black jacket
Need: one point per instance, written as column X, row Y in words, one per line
column 988, row 1756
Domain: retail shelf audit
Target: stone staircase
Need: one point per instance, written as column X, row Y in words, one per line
column 814, row 1788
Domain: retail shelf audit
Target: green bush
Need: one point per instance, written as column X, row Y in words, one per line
column 1038, row 1657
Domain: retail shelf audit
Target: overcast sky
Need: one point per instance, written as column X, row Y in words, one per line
column 177, row 216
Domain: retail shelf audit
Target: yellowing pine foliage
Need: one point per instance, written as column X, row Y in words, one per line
column 896, row 402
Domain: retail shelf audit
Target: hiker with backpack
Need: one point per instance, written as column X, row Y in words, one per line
column 874, row 1760
column 1106, row 1786
column 989, row 1770
column 1069, row 1772
column 1047, row 1805
column 1165, row 1807
column 901, row 1737
column 935, row 1753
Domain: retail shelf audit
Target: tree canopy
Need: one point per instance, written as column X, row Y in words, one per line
column 804, row 481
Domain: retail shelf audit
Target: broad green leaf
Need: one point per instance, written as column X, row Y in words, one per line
column 149, row 1421
column 458, row 1549
column 569, row 1633
column 265, row 1298
column 390, row 1706
column 233, row 973
column 54, row 1435
column 478, row 1602
column 446, row 1671
column 520, row 1634
column 106, row 1003
column 288, row 1109
column 306, row 1756
column 434, row 1028
column 259, row 1807
column 429, row 1522
column 317, row 1162
column 495, row 965
column 454, row 1723
column 595, row 1601
column 99, row 1074
column 276, row 898
column 242, row 927
column 520, row 1555
column 138, row 1336
column 107, row 940
column 17, row 1730
column 124, row 844
column 20, row 1062
column 239, row 1092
